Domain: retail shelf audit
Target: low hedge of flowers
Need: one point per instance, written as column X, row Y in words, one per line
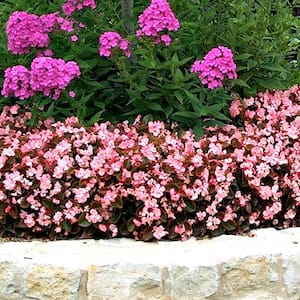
column 147, row 181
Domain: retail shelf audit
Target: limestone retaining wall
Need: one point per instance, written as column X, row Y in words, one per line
column 266, row 266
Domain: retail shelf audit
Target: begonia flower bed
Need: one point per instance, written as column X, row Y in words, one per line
column 147, row 182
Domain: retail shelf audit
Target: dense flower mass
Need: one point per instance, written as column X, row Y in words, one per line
column 156, row 20
column 25, row 31
column 17, row 83
column 70, row 6
column 147, row 182
column 50, row 75
column 216, row 66
column 110, row 40
column 47, row 75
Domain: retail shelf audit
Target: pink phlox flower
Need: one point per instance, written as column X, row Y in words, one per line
column 17, row 83
column 216, row 66
column 157, row 19
column 110, row 40
column 74, row 38
column 50, row 75
column 25, row 31
column 70, row 6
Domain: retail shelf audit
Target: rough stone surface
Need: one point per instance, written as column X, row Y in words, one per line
column 193, row 283
column 250, row 273
column 134, row 282
column 266, row 266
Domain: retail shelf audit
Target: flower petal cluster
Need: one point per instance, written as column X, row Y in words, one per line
column 17, row 83
column 47, row 75
column 148, row 182
column 70, row 6
column 156, row 21
column 110, row 40
column 216, row 66
column 25, row 31
column 52, row 75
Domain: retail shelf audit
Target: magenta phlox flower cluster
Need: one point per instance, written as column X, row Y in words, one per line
column 51, row 75
column 47, row 75
column 111, row 40
column 25, row 31
column 216, row 66
column 70, row 6
column 156, row 21
column 17, row 83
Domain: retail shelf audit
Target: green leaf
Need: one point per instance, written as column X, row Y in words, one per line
column 251, row 64
column 229, row 226
column 82, row 221
column 195, row 103
column 147, row 234
column 272, row 67
column 95, row 118
column 241, row 82
column 185, row 114
column 179, row 97
column 242, row 56
column 155, row 106
column 118, row 203
column 270, row 83
column 130, row 225
column 178, row 75
column 66, row 226
column 190, row 207
column 198, row 129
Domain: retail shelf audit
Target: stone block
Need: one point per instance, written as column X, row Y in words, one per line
column 240, row 275
column 192, row 283
column 123, row 282
column 291, row 265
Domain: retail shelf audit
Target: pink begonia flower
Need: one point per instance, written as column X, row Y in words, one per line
column 290, row 214
column 155, row 20
column 64, row 164
column 216, row 66
column 159, row 232
column 110, row 40
column 179, row 229
column 235, row 108
column 212, row 223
